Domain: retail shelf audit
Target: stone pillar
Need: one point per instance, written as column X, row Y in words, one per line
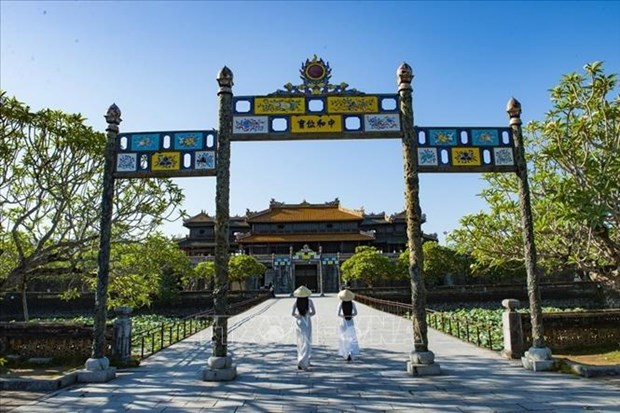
column 291, row 271
column 421, row 361
column 538, row 357
column 513, row 332
column 338, row 270
column 97, row 367
column 220, row 364
column 321, row 271
column 122, row 334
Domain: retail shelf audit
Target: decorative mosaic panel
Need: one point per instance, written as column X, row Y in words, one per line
column 382, row 122
column 320, row 109
column 145, row 142
column 259, row 118
column 279, row 105
column 165, row 154
column 250, row 124
column 352, row 104
column 459, row 149
column 281, row 261
column 314, row 123
column 306, row 254
column 330, row 260
column 315, row 109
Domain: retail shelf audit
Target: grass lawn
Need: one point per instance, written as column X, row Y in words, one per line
column 603, row 358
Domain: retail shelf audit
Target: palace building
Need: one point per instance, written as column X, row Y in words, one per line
column 300, row 243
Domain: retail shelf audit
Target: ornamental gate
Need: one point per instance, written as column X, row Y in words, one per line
column 313, row 110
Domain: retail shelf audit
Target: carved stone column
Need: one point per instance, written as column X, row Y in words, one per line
column 220, row 364
column 122, row 334
column 538, row 357
column 321, row 271
column 291, row 272
column 421, row 361
column 97, row 367
column 512, row 329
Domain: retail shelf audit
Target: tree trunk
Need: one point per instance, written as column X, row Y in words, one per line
column 24, row 300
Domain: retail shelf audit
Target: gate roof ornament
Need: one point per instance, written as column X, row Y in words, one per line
column 404, row 75
column 316, row 75
column 113, row 115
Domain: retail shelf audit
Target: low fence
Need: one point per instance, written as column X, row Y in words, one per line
column 562, row 330
column 146, row 343
column 488, row 335
column 584, row 294
column 70, row 341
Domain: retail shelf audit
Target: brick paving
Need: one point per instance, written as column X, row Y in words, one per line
column 262, row 343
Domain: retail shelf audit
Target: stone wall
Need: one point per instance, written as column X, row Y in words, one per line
column 576, row 330
column 47, row 305
column 49, row 340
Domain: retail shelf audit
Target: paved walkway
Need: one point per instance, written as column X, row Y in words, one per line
column 262, row 342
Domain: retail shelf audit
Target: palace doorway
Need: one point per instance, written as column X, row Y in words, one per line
column 307, row 275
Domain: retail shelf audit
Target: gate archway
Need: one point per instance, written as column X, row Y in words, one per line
column 317, row 109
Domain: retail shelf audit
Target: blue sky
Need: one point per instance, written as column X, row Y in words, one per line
column 158, row 62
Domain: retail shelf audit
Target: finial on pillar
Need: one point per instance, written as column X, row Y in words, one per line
column 513, row 107
column 225, row 80
column 404, row 76
column 113, row 115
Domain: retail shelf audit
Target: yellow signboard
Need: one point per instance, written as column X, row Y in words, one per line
column 352, row 104
column 316, row 124
column 166, row 161
column 466, row 156
column 279, row 106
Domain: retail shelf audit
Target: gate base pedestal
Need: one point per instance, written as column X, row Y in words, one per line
column 423, row 369
column 219, row 369
column 538, row 359
column 422, row 363
column 96, row 370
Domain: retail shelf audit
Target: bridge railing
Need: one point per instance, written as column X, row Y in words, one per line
column 148, row 342
column 487, row 334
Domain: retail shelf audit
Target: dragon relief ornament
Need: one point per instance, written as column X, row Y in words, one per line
column 316, row 75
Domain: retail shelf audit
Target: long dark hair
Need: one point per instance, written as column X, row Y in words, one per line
column 302, row 305
column 347, row 309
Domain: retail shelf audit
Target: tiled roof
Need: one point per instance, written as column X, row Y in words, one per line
column 202, row 217
column 284, row 238
column 302, row 213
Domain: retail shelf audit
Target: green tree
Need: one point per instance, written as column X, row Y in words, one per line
column 438, row 261
column 241, row 267
column 202, row 275
column 367, row 265
column 573, row 165
column 50, row 195
column 582, row 143
column 142, row 271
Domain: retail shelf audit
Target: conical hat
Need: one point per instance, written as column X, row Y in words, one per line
column 346, row 295
column 302, row 291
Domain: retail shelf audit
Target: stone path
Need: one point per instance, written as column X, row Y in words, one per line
column 262, row 343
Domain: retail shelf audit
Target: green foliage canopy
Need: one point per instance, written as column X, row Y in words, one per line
column 241, row 267
column 50, row 194
column 203, row 272
column 141, row 271
column 573, row 166
column 438, row 261
column 367, row 265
